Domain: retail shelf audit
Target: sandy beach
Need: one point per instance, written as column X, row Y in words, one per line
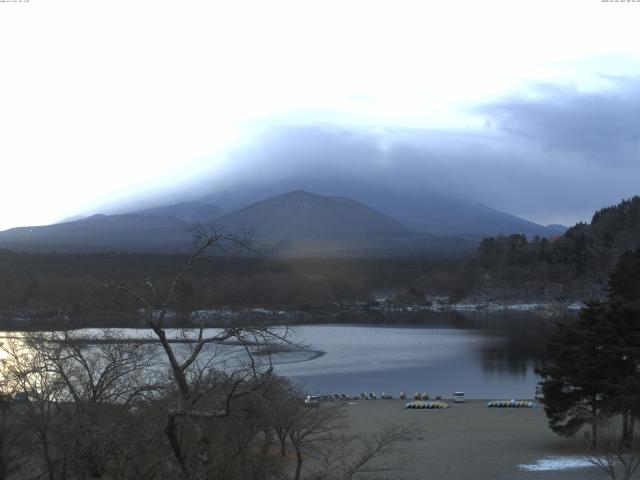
column 470, row 441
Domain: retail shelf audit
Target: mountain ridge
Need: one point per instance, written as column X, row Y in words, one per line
column 293, row 223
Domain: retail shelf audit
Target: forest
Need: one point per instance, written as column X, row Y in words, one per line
column 571, row 267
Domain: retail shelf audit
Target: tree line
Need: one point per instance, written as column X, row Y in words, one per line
column 47, row 288
column 586, row 249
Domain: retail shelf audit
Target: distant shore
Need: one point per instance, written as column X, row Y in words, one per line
column 223, row 317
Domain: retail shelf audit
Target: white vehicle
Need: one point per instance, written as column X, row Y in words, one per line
column 311, row 401
column 458, row 397
column 539, row 395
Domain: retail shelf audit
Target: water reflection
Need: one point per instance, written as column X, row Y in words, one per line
column 487, row 355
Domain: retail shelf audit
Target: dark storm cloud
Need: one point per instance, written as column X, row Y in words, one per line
column 600, row 126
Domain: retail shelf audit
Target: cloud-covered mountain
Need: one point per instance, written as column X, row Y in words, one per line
column 404, row 178
column 523, row 156
column 527, row 154
column 294, row 223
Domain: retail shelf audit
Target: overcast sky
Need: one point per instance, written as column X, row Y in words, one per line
column 532, row 107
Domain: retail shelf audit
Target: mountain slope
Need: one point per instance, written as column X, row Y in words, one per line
column 582, row 257
column 423, row 211
column 126, row 233
column 298, row 221
column 192, row 212
column 394, row 172
column 443, row 215
column 295, row 223
column 300, row 212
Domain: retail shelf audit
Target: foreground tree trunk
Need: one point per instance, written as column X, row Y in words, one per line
column 626, row 424
column 283, row 451
column 298, row 463
column 594, row 423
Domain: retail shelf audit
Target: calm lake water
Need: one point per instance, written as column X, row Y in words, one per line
column 486, row 356
column 490, row 355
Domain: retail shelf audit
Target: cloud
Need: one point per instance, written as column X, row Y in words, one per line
column 602, row 127
column 551, row 156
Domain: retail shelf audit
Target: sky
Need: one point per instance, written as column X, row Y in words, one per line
column 529, row 107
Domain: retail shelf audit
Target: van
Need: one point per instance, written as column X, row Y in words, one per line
column 458, row 397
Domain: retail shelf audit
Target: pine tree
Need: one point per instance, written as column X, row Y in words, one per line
column 595, row 361
column 574, row 384
column 623, row 342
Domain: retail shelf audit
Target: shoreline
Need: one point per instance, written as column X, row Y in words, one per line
column 225, row 317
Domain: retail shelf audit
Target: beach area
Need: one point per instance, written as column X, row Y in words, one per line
column 471, row 441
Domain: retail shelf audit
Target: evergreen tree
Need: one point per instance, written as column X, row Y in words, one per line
column 574, row 384
column 623, row 342
column 595, row 361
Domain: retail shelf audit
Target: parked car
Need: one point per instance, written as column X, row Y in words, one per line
column 311, row 401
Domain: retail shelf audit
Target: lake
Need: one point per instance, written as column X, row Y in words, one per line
column 485, row 355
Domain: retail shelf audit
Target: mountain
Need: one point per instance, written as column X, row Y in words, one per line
column 294, row 223
column 423, row 211
column 126, row 233
column 191, row 212
column 444, row 215
column 397, row 173
column 298, row 221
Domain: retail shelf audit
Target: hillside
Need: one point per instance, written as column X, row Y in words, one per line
column 295, row 223
column 298, row 222
column 126, row 233
column 191, row 212
column 578, row 260
column 423, row 210
column 444, row 215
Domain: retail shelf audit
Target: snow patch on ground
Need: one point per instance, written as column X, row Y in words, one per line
column 556, row 464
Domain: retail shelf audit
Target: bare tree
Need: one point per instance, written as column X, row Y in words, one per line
column 617, row 458
column 309, row 427
column 346, row 457
column 188, row 369
column 102, row 377
column 10, row 438
column 102, row 369
column 75, row 398
column 27, row 374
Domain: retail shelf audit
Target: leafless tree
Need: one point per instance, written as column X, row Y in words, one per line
column 310, row 427
column 10, row 438
column 102, row 369
column 26, row 374
column 75, row 398
column 346, row 457
column 617, row 458
column 204, row 392
column 318, row 435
